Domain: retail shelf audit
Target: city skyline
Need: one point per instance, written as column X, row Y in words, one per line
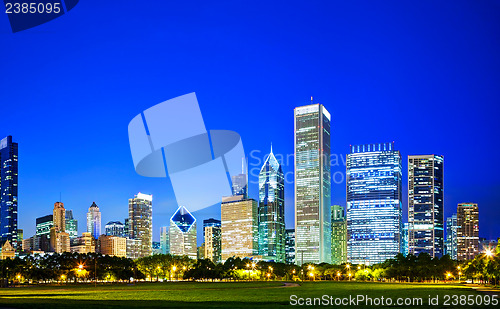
column 376, row 62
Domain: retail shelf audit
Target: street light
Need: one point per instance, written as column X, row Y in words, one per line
column 350, row 276
column 338, row 276
column 489, row 253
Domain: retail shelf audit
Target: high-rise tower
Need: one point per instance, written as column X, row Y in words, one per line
column 271, row 210
column 94, row 221
column 312, row 184
column 425, row 205
column 374, row 206
column 140, row 214
column 8, row 191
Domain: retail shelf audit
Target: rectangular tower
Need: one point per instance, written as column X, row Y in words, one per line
column 239, row 227
column 140, row 214
column 339, row 235
column 374, row 207
column 8, row 191
column 451, row 236
column 213, row 243
column 425, row 205
column 312, row 184
column 468, row 231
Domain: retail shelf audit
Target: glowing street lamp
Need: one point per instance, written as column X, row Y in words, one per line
column 338, row 276
column 350, row 275
column 184, row 268
column 488, row 253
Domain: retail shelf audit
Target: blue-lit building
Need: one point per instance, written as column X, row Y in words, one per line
column 312, row 184
column 426, row 205
column 8, row 191
column 290, row 246
column 210, row 222
column 182, row 234
column 374, row 206
column 115, row 228
column 164, row 240
column 451, row 242
column 240, row 181
column 404, row 238
column 71, row 225
column 271, row 211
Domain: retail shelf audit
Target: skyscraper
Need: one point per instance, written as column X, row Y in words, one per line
column 115, row 228
column 425, row 205
column 239, row 227
column 213, row 243
column 42, row 236
column 8, row 191
column 290, row 246
column 405, row 239
column 210, row 222
column 71, row 225
column 164, row 240
column 271, row 210
column 339, row 235
column 451, row 236
column 240, row 181
column 468, row 231
column 374, row 207
column 59, row 239
column 183, row 233
column 113, row 245
column 312, row 184
column 94, row 221
column 140, row 214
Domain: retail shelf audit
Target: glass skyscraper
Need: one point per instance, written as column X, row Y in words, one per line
column 210, row 222
column 71, row 225
column 425, row 205
column 451, row 236
column 140, row 214
column 8, row 191
column 290, row 246
column 312, row 184
column 164, row 240
column 467, row 231
column 374, row 207
column 94, row 221
column 271, row 210
column 339, row 235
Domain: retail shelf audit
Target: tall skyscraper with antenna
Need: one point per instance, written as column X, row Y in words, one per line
column 312, row 184
column 8, row 191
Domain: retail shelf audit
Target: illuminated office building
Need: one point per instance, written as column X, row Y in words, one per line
column 290, row 246
column 164, row 240
column 339, row 235
column 425, row 205
column 405, row 239
column 59, row 239
column 312, row 184
column 134, row 248
column 374, row 207
column 213, row 243
column 115, row 228
column 468, row 231
column 8, row 191
column 94, row 221
column 239, row 227
column 240, row 181
column 271, row 210
column 44, row 224
column 71, row 225
column 113, row 245
column 210, row 222
column 451, row 237
column 140, row 214
column 84, row 244
column 183, row 234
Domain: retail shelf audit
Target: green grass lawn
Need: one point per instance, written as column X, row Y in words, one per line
column 215, row 295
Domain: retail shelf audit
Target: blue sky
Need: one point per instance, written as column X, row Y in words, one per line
column 423, row 74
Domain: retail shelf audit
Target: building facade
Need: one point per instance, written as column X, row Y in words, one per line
column 134, row 248
column 374, row 205
column 84, row 244
column 339, row 235
column 140, row 214
column 113, row 245
column 271, row 210
column 425, row 205
column 213, row 248
column 183, row 234
column 8, row 191
column 71, row 225
column 239, row 227
column 94, row 221
column 164, row 240
column 312, row 184
column 59, row 239
column 468, row 231
column 451, row 236
column 115, row 228
column 405, row 239
column 210, row 222
column 290, row 246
